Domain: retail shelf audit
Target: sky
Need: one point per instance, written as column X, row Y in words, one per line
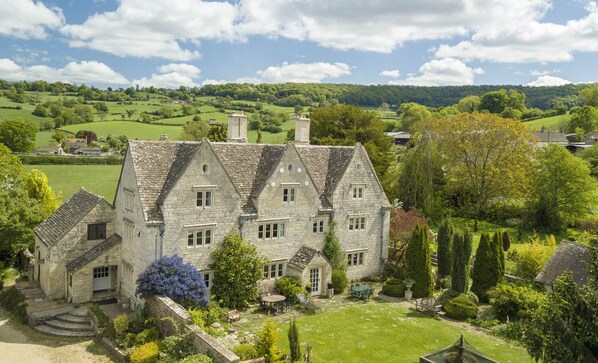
column 169, row 43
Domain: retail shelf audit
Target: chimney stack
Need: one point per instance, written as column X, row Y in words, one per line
column 302, row 130
column 237, row 127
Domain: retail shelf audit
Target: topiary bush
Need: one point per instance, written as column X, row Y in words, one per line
column 245, row 351
column 460, row 308
column 289, row 286
column 170, row 276
column 339, row 280
column 393, row 287
column 146, row 353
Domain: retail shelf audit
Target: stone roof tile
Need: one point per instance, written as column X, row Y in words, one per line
column 92, row 254
column 568, row 256
column 302, row 258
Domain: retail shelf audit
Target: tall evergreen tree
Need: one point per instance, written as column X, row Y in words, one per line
column 445, row 240
column 506, row 241
column 500, row 254
column 419, row 266
column 294, row 346
column 332, row 248
column 486, row 269
column 267, row 343
column 462, row 244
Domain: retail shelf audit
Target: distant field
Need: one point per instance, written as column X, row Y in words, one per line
column 550, row 123
column 133, row 130
column 67, row 179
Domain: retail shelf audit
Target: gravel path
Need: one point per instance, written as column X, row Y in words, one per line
column 19, row 343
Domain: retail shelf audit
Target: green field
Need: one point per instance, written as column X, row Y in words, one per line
column 388, row 332
column 133, row 130
column 67, row 179
column 553, row 123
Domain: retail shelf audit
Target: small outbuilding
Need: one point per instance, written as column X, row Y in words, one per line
column 568, row 256
column 460, row 352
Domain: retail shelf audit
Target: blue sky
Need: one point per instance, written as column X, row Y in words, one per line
column 167, row 43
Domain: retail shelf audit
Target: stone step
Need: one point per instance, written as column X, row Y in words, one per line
column 74, row 319
column 81, row 311
column 67, row 326
column 46, row 329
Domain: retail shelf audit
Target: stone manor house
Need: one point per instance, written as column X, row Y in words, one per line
column 182, row 198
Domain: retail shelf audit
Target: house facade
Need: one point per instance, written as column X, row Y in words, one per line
column 184, row 197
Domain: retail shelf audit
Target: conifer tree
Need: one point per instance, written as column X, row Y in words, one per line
column 500, row 254
column 266, row 344
column 506, row 241
column 462, row 244
column 332, row 248
column 419, row 266
column 445, row 240
column 294, row 346
column 486, row 269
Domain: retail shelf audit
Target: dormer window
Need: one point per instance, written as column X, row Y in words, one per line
column 96, row 231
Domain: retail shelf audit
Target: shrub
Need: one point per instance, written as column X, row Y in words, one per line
column 170, row 276
column 339, row 280
column 101, row 317
column 245, row 351
column 393, row 269
column 197, row 358
column 176, row 347
column 147, row 353
column 14, row 301
column 121, row 324
column 332, row 248
column 147, row 335
column 460, row 308
column 532, row 257
column 514, row 301
column 290, row 286
column 446, row 296
column 393, row 287
column 267, row 342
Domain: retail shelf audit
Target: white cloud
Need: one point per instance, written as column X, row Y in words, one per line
column 442, row 72
column 548, row 81
column 392, row 74
column 158, row 28
column 531, row 41
column 303, row 72
column 545, row 72
column 73, row 72
column 26, row 19
column 171, row 76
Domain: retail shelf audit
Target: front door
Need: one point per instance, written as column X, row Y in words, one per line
column 101, row 278
column 315, row 281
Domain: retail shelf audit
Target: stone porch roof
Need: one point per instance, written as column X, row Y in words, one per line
column 67, row 216
column 302, row 258
column 159, row 164
column 92, row 254
column 568, row 256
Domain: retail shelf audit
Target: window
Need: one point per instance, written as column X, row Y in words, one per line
column 129, row 200
column 318, row 227
column 207, row 278
column 270, row 230
column 205, row 168
column 129, row 231
column 273, row 270
column 204, row 199
column 357, row 192
column 128, row 274
column 199, row 237
column 355, row 259
column 356, row 223
column 96, row 231
column 288, row 195
column 102, row 271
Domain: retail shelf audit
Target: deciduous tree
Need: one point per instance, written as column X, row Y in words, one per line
column 586, row 119
column 17, row 135
column 195, row 131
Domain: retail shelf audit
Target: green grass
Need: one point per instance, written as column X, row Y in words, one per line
column 133, row 130
column 388, row 332
column 67, row 179
column 550, row 123
column 44, row 138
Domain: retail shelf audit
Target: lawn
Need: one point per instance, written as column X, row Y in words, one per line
column 133, row 130
column 388, row 332
column 100, row 179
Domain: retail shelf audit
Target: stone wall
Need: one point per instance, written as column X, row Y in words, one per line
column 161, row 306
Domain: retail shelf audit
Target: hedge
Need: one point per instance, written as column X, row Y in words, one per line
column 70, row 160
column 393, row 287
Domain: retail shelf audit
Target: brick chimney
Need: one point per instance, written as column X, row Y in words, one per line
column 302, row 130
column 237, row 127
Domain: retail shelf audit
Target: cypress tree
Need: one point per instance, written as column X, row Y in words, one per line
column 332, row 248
column 267, row 343
column 445, row 248
column 462, row 244
column 506, row 241
column 486, row 269
column 294, row 346
column 500, row 254
column 419, row 266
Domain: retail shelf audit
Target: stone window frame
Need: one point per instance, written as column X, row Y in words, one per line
column 271, row 230
column 318, row 226
column 357, row 223
column 96, row 231
column 129, row 199
column 208, row 278
column 358, row 190
column 204, row 195
column 200, row 237
column 129, row 227
column 127, row 274
column 356, row 257
column 274, row 270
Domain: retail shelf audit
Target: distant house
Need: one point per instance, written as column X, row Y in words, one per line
column 591, row 137
column 92, row 151
column 73, row 144
column 55, row 150
column 568, row 256
column 399, row 137
column 547, row 137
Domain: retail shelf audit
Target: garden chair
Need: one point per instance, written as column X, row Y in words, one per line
column 306, row 304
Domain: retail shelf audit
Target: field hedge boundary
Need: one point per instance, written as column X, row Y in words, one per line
column 69, row 160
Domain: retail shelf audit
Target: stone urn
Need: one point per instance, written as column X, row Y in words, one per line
column 408, row 292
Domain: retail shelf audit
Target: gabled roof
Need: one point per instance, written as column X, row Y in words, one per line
column 92, row 254
column 568, row 256
column 303, row 257
column 550, row 136
column 67, row 216
column 326, row 164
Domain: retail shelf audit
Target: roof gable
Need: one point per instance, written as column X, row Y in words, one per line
column 67, row 216
column 303, row 258
column 568, row 256
column 326, row 165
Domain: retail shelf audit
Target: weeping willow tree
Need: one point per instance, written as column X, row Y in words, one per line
column 421, row 177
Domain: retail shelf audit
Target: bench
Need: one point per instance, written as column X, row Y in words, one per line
column 428, row 304
column 233, row 315
column 306, row 304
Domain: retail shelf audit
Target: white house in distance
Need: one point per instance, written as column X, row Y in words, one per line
column 182, row 198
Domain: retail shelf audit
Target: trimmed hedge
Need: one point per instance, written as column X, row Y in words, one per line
column 393, row 287
column 70, row 160
column 461, row 308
